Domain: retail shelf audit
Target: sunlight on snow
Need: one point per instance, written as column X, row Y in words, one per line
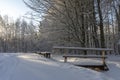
column 37, row 59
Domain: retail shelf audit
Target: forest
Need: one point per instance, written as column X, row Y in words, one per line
column 81, row 23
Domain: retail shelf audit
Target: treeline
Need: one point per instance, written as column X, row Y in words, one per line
column 19, row 36
column 84, row 23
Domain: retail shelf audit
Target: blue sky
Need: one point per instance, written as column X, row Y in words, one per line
column 13, row 8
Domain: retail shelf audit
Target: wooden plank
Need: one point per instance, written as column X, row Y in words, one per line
column 100, row 67
column 91, row 65
column 81, row 48
column 84, row 56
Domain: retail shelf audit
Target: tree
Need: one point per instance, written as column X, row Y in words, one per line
column 85, row 23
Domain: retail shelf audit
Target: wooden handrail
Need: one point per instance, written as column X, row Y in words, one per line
column 82, row 48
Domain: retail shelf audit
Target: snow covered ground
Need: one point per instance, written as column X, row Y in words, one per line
column 114, row 66
column 33, row 67
column 113, row 62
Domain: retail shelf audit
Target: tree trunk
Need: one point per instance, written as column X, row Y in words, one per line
column 94, row 30
column 102, row 38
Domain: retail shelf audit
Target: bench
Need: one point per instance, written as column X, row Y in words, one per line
column 45, row 54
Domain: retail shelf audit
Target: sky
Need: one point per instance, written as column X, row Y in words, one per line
column 13, row 8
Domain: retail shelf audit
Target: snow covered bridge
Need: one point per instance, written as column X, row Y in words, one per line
column 102, row 66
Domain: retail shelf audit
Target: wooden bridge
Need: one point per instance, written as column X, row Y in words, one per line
column 102, row 56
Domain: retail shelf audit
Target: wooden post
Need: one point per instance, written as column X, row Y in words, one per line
column 65, row 60
column 103, row 55
column 49, row 55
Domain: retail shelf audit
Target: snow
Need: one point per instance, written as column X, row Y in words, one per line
column 113, row 62
column 114, row 65
column 33, row 67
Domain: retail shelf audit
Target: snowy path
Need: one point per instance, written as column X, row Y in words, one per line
column 7, row 67
column 34, row 67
